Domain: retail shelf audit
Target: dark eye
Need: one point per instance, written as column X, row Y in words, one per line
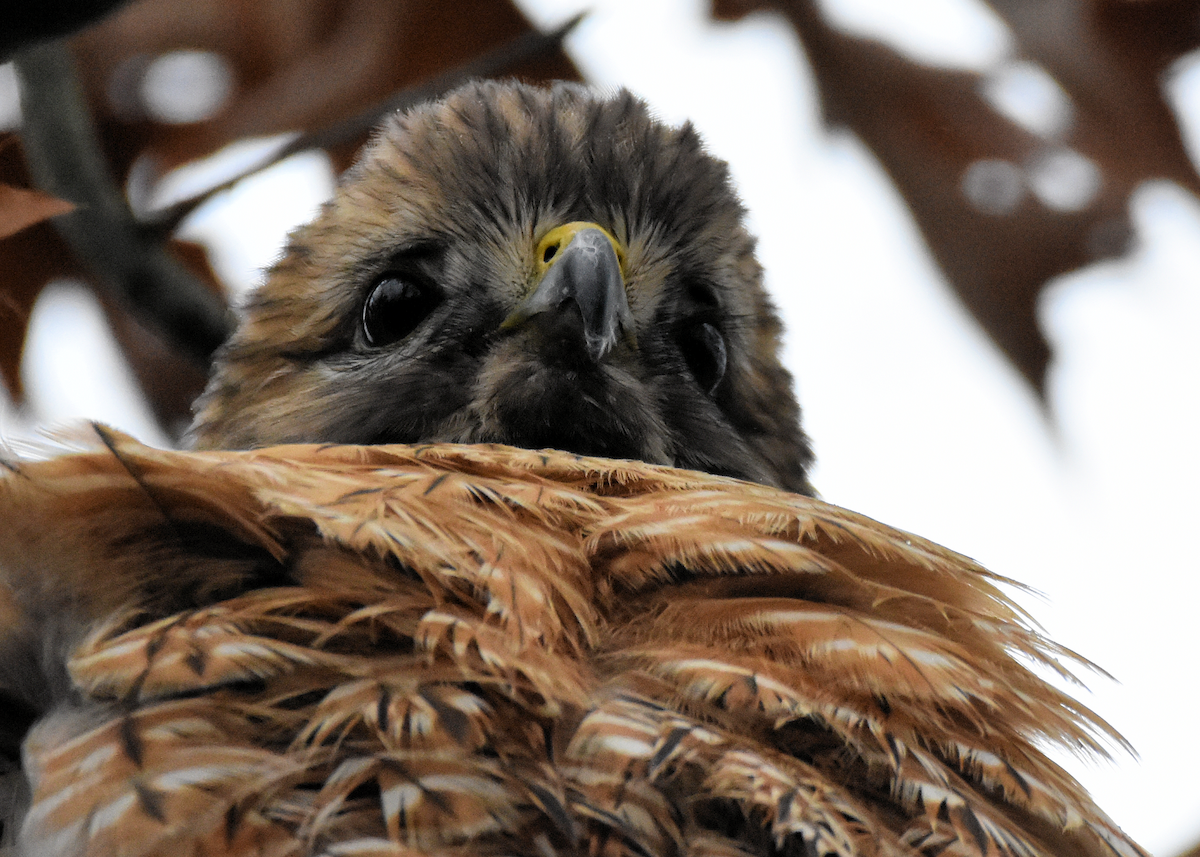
column 396, row 305
column 703, row 349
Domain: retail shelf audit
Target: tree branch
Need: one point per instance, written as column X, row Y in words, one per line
column 132, row 265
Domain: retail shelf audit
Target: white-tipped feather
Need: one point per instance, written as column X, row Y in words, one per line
column 480, row 650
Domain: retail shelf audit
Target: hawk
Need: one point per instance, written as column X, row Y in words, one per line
column 539, row 268
column 497, row 542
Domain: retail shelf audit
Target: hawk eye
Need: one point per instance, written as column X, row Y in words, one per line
column 397, row 303
column 703, row 349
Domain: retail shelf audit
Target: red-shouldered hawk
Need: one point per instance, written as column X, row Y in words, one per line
column 465, row 285
column 428, row 643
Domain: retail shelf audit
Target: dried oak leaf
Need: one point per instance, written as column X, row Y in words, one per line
column 29, row 258
column 37, row 255
column 27, row 241
column 22, row 207
column 966, row 171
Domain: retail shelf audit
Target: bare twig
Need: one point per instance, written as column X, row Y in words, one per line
column 134, row 267
column 493, row 62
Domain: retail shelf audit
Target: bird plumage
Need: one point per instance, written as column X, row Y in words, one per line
column 453, row 647
column 479, row 649
column 384, row 320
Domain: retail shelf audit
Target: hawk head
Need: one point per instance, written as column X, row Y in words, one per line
column 542, row 268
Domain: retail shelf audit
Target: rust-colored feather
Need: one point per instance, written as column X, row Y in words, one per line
column 482, row 650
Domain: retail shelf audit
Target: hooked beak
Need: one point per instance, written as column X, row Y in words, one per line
column 579, row 263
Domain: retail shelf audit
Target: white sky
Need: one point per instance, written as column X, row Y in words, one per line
column 916, row 418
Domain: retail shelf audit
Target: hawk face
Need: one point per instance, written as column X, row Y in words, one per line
column 541, row 268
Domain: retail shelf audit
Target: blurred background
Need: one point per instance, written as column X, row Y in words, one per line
column 979, row 220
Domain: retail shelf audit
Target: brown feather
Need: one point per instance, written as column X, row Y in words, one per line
column 459, row 649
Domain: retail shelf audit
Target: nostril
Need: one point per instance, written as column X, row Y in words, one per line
column 549, row 252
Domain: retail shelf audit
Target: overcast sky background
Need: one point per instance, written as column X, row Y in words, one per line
column 916, row 418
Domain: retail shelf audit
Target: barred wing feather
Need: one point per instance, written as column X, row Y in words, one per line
column 369, row 651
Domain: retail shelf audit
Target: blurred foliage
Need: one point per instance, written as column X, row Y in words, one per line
column 966, row 171
column 309, row 66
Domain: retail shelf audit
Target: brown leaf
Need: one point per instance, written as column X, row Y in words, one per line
column 1110, row 56
column 28, row 260
column 37, row 255
column 965, row 170
column 22, row 207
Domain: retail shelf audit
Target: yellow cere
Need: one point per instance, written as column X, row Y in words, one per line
column 557, row 239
